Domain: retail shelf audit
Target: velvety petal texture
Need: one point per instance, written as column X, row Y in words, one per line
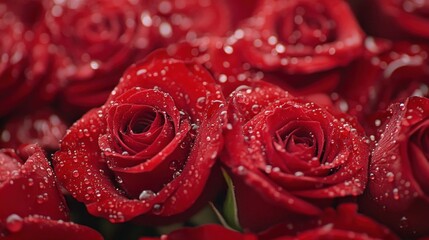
column 398, row 190
column 343, row 223
column 32, row 206
column 28, row 186
column 290, row 157
column 150, row 149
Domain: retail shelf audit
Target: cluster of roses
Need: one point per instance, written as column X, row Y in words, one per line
column 295, row 118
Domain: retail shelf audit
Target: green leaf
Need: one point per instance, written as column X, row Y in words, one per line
column 219, row 216
column 230, row 211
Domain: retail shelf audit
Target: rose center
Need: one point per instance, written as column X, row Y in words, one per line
column 298, row 141
column 142, row 122
column 309, row 25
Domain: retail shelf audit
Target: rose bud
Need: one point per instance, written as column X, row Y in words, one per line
column 300, row 45
column 97, row 40
column 31, row 206
column 396, row 19
column 149, row 150
column 205, row 232
column 398, row 192
column 289, row 158
column 25, row 65
column 342, row 223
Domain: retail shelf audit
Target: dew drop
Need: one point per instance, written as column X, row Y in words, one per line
column 30, row 182
column 395, row 192
column 228, row 49
column 241, row 170
column 390, row 176
column 75, row 173
column 146, row 194
column 146, row 19
column 377, row 122
column 223, row 78
column 165, row 30
column 157, row 209
column 201, row 102
column 94, row 65
column 14, row 223
column 403, row 222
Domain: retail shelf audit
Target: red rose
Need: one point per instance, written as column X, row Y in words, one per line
column 205, row 232
column 150, row 149
column 397, row 19
column 300, row 44
column 374, row 82
column 343, row 223
column 97, row 40
column 24, row 65
column 31, row 206
column 42, row 127
column 398, row 190
column 290, row 157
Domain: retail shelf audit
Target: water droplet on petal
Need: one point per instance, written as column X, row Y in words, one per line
column 75, row 173
column 14, row 223
column 390, row 176
column 395, row 193
column 157, row 209
column 201, row 101
column 146, row 194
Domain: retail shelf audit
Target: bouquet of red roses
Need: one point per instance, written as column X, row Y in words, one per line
column 210, row 119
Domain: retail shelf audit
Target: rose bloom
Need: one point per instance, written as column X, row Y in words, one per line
column 398, row 190
column 398, row 71
column 151, row 147
column 96, row 41
column 25, row 63
column 342, row 223
column 32, row 207
column 299, row 45
column 396, row 19
column 288, row 157
column 205, row 232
